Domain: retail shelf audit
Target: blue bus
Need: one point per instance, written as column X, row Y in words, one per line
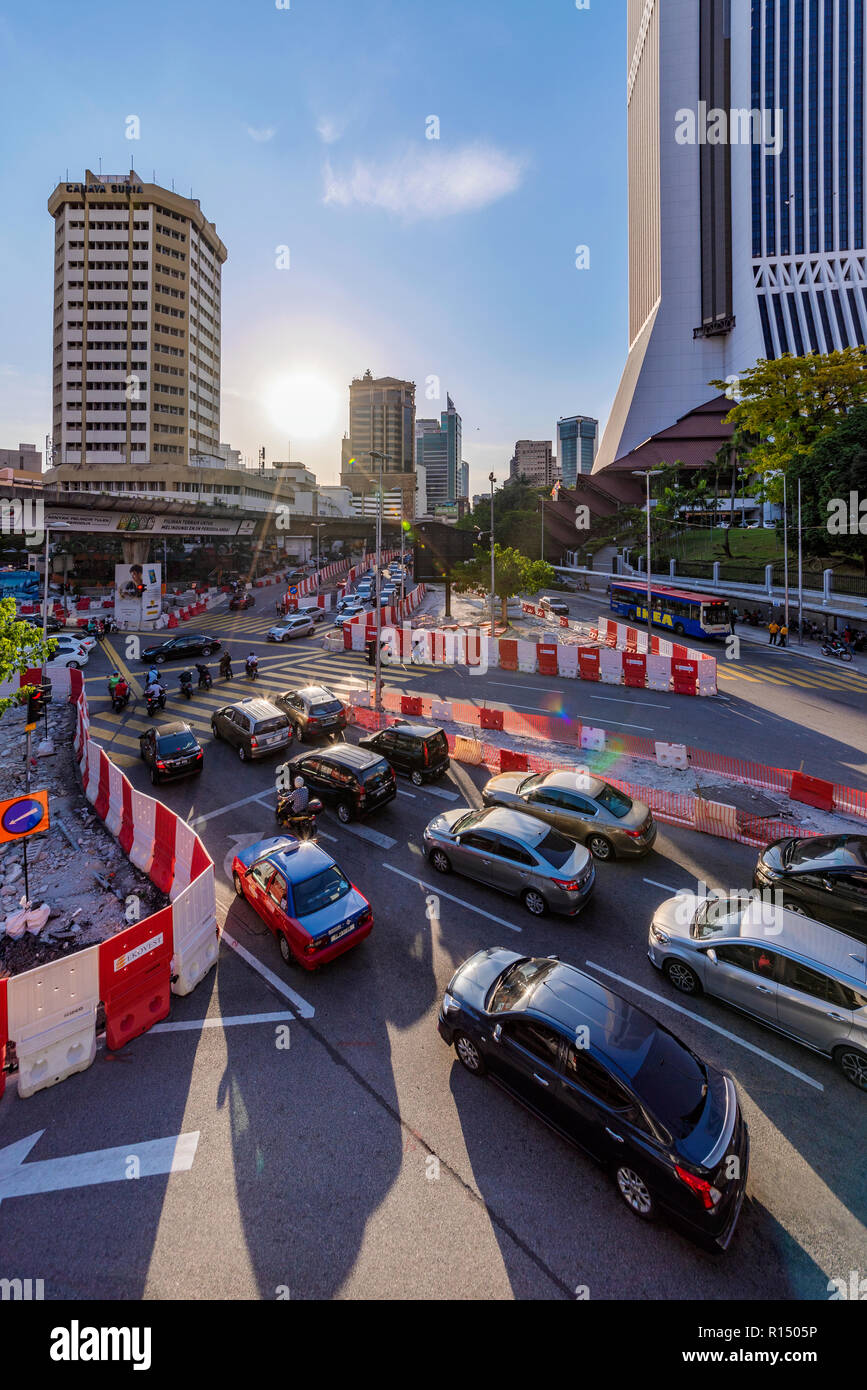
column 21, row 584
column 683, row 613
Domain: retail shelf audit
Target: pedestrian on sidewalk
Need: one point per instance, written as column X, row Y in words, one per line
column 773, row 629
column 784, row 632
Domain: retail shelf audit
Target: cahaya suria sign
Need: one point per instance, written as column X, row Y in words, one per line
column 149, row 523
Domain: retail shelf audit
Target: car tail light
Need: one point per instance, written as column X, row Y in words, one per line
column 254, row 742
column 635, row 834
column 310, row 948
column 366, row 918
column 161, row 765
column 570, row 885
column 709, row 1194
column 312, row 720
column 200, row 754
column 426, row 754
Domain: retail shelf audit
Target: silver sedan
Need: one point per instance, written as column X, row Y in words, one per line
column 515, row 853
column 587, row 809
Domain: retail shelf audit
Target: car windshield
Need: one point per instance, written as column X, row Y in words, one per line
column 722, row 914
column 372, row 774
column 556, row 849
column 842, row 850
column 322, row 890
column 466, row 822
column 672, row 1082
column 173, row 744
column 271, row 726
column 613, row 801
column 332, row 707
column 515, row 983
column 534, row 780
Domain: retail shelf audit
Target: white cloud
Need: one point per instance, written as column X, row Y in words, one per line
column 329, row 129
column 428, row 182
column 260, row 136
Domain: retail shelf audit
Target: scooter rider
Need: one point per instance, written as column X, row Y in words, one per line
column 114, row 681
column 299, row 797
column 154, row 692
column 204, row 674
column 252, row 662
column 226, row 666
column 153, row 675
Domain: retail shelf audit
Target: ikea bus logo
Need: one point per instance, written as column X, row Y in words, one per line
column 664, row 619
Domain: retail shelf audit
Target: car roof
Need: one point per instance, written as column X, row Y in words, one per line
column 525, row 828
column 566, row 779
column 301, row 861
column 174, row 726
column 832, row 852
column 349, row 755
column 813, row 941
column 258, row 707
column 315, row 692
column 417, row 730
column 618, row 1029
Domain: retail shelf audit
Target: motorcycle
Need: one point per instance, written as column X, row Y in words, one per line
column 252, row 669
column 303, row 825
column 226, row 671
column 838, row 649
column 155, row 702
column 119, row 700
column 186, row 683
column 205, row 681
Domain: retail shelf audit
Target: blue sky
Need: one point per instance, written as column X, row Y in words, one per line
column 305, row 127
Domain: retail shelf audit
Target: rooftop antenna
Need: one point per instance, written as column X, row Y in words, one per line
column 100, row 164
column 173, row 185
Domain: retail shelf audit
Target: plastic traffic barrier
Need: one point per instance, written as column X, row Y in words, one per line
column 567, row 662
column 672, row 755
column 526, row 655
column 490, row 718
column 441, row 709
column 546, row 658
column 610, row 666
column 588, row 663
column 196, row 938
column 658, row 670
column 634, row 669
column 467, row 750
column 52, row 1019
column 510, row 761
column 508, row 654
column 410, row 704
column 684, row 675
column 813, row 791
column 162, row 868
column 135, row 978
column 592, row 738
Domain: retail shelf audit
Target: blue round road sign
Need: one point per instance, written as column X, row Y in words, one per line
column 22, row 816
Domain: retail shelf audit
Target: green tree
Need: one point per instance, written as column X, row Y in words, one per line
column 514, row 573
column 788, row 405
column 21, row 649
column 835, row 467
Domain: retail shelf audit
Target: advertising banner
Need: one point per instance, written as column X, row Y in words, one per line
column 151, row 523
column 137, row 601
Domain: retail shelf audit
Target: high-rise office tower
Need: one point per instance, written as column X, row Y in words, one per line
column 381, row 422
column 136, row 324
column 533, row 460
column 577, row 438
column 438, row 448
column 746, row 196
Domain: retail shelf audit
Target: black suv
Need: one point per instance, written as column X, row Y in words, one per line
column 352, row 780
column 185, row 644
column 610, row 1079
column 171, row 750
column 312, row 710
column 254, row 726
column 824, row 877
column 242, row 601
column 419, row 750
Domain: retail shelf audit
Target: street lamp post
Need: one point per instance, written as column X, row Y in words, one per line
column 800, row 574
column 58, row 526
column 377, row 698
column 648, row 473
column 492, row 480
column 317, row 527
column 786, row 552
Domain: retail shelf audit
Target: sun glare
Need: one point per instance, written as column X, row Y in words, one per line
column 302, row 405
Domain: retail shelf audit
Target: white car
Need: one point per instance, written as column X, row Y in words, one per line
column 69, row 652
column 313, row 612
column 293, row 626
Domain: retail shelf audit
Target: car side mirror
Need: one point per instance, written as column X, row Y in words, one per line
column 498, row 1032
column 711, row 955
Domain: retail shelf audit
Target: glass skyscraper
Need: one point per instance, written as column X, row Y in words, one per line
column 746, row 196
column 438, row 451
column 576, row 446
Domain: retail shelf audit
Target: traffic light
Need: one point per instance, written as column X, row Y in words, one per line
column 37, row 700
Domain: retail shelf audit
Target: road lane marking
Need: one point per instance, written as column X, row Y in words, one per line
column 235, row 1019
column 441, row 792
column 373, row 836
column 221, row 810
column 706, row 1023
column 435, row 888
column 540, row 689
column 305, row 1010
column 667, row 886
column 401, row 792
column 613, row 700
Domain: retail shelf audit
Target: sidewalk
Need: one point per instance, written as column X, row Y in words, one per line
column 758, row 637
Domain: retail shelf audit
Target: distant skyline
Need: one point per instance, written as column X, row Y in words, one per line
column 306, row 128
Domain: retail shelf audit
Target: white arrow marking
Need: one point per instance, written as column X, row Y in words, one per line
column 154, row 1157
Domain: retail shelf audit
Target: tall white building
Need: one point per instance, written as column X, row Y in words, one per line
column 136, row 324
column 746, row 129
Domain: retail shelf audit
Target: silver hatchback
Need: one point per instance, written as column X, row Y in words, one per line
column 584, row 807
column 515, row 853
column 793, row 974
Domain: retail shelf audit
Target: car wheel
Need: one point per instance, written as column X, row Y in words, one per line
column 216, row 732
column 155, row 777
column 73, row 666
column 206, row 651
column 682, row 976
column 469, row 1055
column 534, row 902
column 796, row 907
column 416, row 778
column 160, row 660
column 239, row 887
column 344, row 811
column 242, row 753
column 600, row 848
column 285, row 951
column 634, row 1192
column 441, row 861
column 853, row 1064
column 679, row 629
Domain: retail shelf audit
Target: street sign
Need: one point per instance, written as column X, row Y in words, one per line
column 293, row 590
column 23, row 815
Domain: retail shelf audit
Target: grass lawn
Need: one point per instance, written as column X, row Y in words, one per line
column 754, row 548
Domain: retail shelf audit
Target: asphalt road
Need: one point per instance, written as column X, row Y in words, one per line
column 361, row 1160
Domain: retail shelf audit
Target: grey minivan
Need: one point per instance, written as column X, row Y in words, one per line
column 515, row 853
column 795, row 975
column 254, row 726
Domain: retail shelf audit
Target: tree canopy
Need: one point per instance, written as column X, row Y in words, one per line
column 21, row 649
column 514, row 573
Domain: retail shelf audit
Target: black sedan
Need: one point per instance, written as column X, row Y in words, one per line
column 609, row 1079
column 180, row 647
column 242, row 601
column 824, row 877
column 171, row 750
